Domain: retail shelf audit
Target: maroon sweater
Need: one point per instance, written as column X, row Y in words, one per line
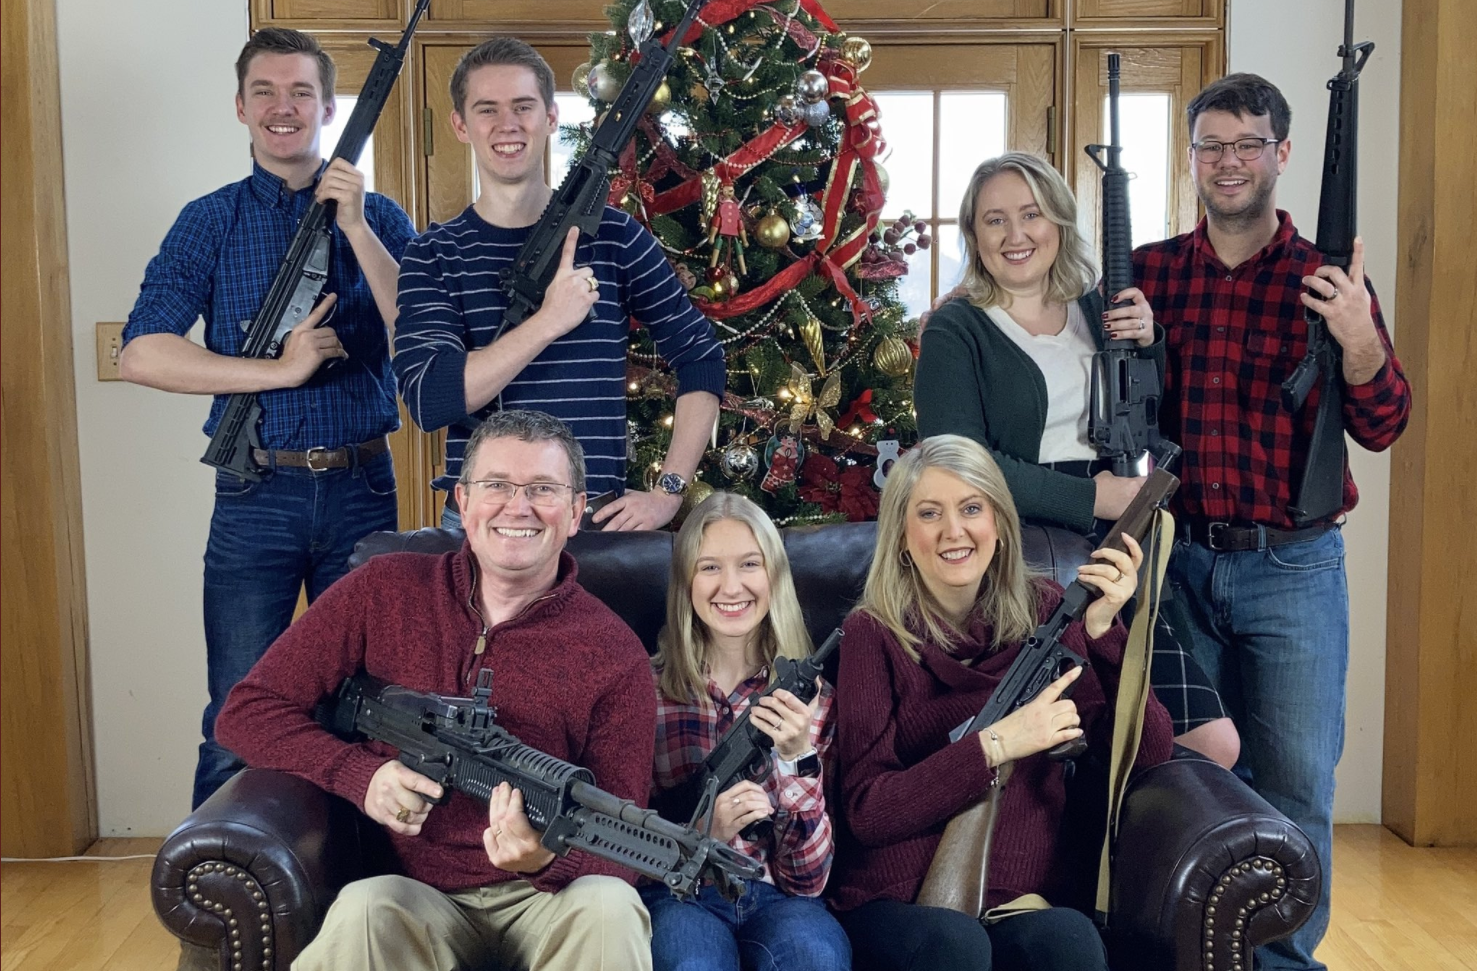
column 901, row 780
column 569, row 679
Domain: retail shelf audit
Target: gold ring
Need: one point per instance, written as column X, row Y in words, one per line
column 594, row 285
column 403, row 816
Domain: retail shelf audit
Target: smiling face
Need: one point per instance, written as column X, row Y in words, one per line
column 951, row 537
column 730, row 584
column 281, row 103
column 507, row 124
column 1015, row 240
column 517, row 541
column 1231, row 188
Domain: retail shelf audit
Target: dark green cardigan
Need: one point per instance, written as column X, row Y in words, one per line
column 976, row 382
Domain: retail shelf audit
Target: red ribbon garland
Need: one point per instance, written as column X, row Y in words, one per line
column 716, row 13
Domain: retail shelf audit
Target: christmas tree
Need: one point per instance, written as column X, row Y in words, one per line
column 757, row 169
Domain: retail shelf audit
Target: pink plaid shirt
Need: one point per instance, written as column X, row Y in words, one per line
column 796, row 856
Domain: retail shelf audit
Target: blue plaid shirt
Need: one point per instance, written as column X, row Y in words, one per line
column 218, row 262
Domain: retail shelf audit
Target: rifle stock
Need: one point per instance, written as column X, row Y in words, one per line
column 304, row 270
column 958, row 876
column 1320, row 491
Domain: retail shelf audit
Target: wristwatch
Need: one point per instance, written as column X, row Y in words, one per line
column 807, row 766
column 672, row 484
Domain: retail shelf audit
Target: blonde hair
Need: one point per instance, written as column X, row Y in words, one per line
column 1074, row 271
column 896, row 595
column 682, row 646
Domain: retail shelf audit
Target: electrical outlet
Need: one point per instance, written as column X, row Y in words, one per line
column 109, row 350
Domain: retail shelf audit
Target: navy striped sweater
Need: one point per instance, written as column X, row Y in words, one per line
column 450, row 303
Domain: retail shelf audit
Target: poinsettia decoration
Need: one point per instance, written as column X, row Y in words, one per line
column 847, row 490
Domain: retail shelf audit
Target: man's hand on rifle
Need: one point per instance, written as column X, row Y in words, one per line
column 1044, row 722
column 511, row 841
column 1116, row 576
column 1347, row 309
column 343, row 184
column 1134, row 322
column 571, row 294
column 308, row 346
column 786, row 720
column 737, row 806
column 398, row 798
column 1114, row 493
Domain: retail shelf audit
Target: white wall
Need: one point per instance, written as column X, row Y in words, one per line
column 148, row 124
column 1295, row 46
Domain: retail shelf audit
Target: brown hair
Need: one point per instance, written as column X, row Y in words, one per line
column 501, row 50
column 280, row 40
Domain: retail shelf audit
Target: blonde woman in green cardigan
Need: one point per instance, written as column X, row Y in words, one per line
column 1005, row 361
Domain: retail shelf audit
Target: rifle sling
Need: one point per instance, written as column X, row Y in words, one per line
column 1133, row 693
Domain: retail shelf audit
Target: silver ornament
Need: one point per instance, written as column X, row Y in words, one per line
column 786, row 111
column 739, row 462
column 816, row 114
column 806, row 225
column 603, row 84
column 812, row 86
column 641, row 23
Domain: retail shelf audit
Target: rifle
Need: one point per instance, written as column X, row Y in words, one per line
column 957, row 877
column 743, row 751
column 580, row 198
column 304, row 270
column 1321, row 489
column 456, row 743
column 1123, row 416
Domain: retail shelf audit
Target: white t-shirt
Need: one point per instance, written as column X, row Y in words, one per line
column 1065, row 361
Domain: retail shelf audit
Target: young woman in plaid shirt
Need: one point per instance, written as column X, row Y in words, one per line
column 731, row 608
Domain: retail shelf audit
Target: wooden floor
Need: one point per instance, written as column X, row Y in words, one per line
column 1395, row 909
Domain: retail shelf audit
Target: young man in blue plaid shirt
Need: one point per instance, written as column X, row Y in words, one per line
column 323, row 431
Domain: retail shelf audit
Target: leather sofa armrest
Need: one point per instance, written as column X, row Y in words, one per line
column 1205, row 871
column 250, row 874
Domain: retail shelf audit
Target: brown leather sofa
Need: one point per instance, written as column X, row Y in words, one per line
column 1205, row 869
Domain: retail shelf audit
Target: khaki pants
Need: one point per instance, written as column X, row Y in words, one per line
column 398, row 924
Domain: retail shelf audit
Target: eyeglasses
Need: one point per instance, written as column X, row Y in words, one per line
column 500, row 492
column 1247, row 149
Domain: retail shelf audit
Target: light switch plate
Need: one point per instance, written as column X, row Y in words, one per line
column 109, row 349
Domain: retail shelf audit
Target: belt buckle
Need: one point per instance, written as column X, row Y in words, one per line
column 1211, row 532
column 319, row 454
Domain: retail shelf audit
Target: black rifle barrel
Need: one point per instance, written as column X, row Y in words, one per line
column 580, row 199
column 304, row 270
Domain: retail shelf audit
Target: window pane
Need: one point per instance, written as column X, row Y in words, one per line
column 334, row 129
column 573, row 110
column 1144, row 129
column 907, row 125
column 971, row 129
column 913, row 289
column 950, row 243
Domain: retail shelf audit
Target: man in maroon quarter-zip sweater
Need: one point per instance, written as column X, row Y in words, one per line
column 569, row 678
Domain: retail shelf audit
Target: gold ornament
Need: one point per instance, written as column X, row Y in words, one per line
column 660, row 99
column 892, row 357
column 811, row 332
column 808, row 404
column 883, row 179
column 857, row 52
column 698, row 92
column 772, row 231
column 719, row 288
column 581, row 78
column 697, row 491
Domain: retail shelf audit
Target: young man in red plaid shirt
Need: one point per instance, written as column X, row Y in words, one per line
column 1268, row 601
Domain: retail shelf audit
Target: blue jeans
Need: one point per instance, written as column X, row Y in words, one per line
column 1271, row 629
column 765, row 930
column 267, row 540
column 891, row 936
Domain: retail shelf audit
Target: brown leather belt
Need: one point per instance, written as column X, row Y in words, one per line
column 322, row 459
column 1229, row 538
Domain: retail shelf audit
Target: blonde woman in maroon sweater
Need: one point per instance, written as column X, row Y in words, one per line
column 947, row 605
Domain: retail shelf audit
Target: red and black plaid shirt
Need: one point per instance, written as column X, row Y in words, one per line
column 796, row 856
column 1233, row 336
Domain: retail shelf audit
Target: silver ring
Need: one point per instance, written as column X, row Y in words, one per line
column 1334, row 294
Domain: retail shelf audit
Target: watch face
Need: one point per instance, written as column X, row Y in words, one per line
column 809, row 766
column 671, row 483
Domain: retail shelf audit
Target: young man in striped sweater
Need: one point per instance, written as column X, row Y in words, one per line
column 455, row 362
